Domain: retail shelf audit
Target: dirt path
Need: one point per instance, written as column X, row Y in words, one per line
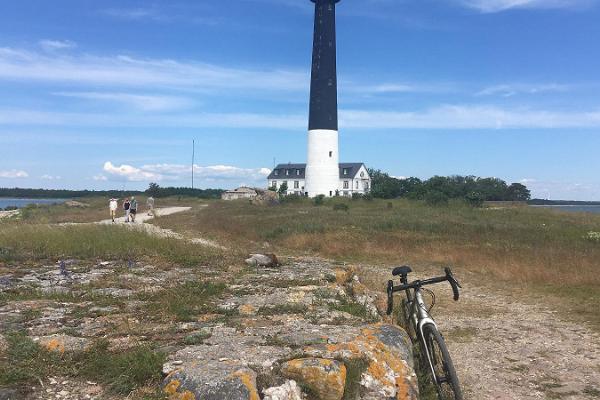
column 142, row 219
column 509, row 347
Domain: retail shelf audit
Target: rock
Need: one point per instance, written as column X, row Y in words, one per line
column 9, row 394
column 385, row 351
column 288, row 391
column 64, row 343
column 325, row 378
column 263, row 260
column 225, row 367
column 205, row 383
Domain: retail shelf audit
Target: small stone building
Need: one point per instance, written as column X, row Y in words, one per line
column 239, row 193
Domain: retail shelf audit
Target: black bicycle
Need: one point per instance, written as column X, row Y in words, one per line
column 422, row 328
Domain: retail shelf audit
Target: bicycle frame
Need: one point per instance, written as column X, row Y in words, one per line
column 419, row 317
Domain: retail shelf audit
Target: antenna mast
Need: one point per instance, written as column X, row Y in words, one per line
column 193, row 160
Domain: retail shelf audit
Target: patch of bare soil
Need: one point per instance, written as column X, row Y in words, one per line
column 510, row 346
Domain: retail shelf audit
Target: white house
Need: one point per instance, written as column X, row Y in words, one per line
column 353, row 178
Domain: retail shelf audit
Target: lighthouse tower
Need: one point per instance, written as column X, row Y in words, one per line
column 322, row 167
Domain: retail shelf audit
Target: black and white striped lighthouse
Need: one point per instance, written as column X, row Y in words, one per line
column 322, row 167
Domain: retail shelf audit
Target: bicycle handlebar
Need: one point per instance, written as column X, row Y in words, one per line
column 391, row 289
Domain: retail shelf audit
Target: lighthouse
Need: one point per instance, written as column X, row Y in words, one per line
column 323, row 174
column 322, row 167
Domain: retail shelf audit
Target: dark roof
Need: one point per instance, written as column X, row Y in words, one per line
column 352, row 170
column 279, row 171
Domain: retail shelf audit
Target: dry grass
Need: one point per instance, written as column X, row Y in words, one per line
column 536, row 249
column 520, row 244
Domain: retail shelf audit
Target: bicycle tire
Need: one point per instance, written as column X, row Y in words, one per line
column 445, row 379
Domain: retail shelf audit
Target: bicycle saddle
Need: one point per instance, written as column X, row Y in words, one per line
column 402, row 271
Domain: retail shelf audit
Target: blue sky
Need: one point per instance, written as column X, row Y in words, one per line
column 110, row 94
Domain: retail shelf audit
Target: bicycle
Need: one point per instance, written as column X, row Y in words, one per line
column 422, row 328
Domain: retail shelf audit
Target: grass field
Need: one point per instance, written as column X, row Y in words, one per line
column 40, row 242
column 533, row 248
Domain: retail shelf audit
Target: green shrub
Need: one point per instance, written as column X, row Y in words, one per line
column 436, row 198
column 319, row 200
column 474, row 199
column 121, row 372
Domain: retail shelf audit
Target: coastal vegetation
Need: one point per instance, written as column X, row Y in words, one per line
column 440, row 189
column 153, row 190
column 541, row 249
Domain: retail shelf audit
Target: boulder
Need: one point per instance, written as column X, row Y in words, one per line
column 225, row 367
column 385, row 352
column 63, row 343
column 206, row 383
column 288, row 391
column 263, row 260
column 325, row 378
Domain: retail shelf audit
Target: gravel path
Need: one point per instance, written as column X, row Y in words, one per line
column 509, row 346
column 144, row 217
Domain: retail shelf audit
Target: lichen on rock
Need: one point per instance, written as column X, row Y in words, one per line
column 325, row 378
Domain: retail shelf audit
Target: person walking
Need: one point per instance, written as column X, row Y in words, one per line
column 150, row 206
column 112, row 206
column 133, row 208
column 126, row 207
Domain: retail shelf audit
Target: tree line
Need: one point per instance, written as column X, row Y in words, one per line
column 153, row 190
column 440, row 189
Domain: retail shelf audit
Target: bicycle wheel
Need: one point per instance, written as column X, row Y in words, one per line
column 445, row 379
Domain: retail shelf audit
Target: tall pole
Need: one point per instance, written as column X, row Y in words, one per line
column 193, row 160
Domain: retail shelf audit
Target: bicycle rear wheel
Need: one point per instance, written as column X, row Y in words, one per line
column 444, row 379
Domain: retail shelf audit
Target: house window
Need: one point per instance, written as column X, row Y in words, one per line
column 287, row 172
column 345, row 171
column 366, row 185
column 276, row 172
column 346, row 185
column 346, row 194
column 296, row 184
column 297, row 172
column 357, row 184
column 330, row 154
column 274, row 184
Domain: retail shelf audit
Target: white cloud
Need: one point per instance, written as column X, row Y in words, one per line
column 54, row 45
column 134, row 13
column 126, row 71
column 51, row 177
column 179, row 172
column 13, row 174
column 197, row 120
column 440, row 117
column 509, row 90
column 138, row 101
column 100, row 178
column 492, row 6
column 469, row 117
column 131, row 173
